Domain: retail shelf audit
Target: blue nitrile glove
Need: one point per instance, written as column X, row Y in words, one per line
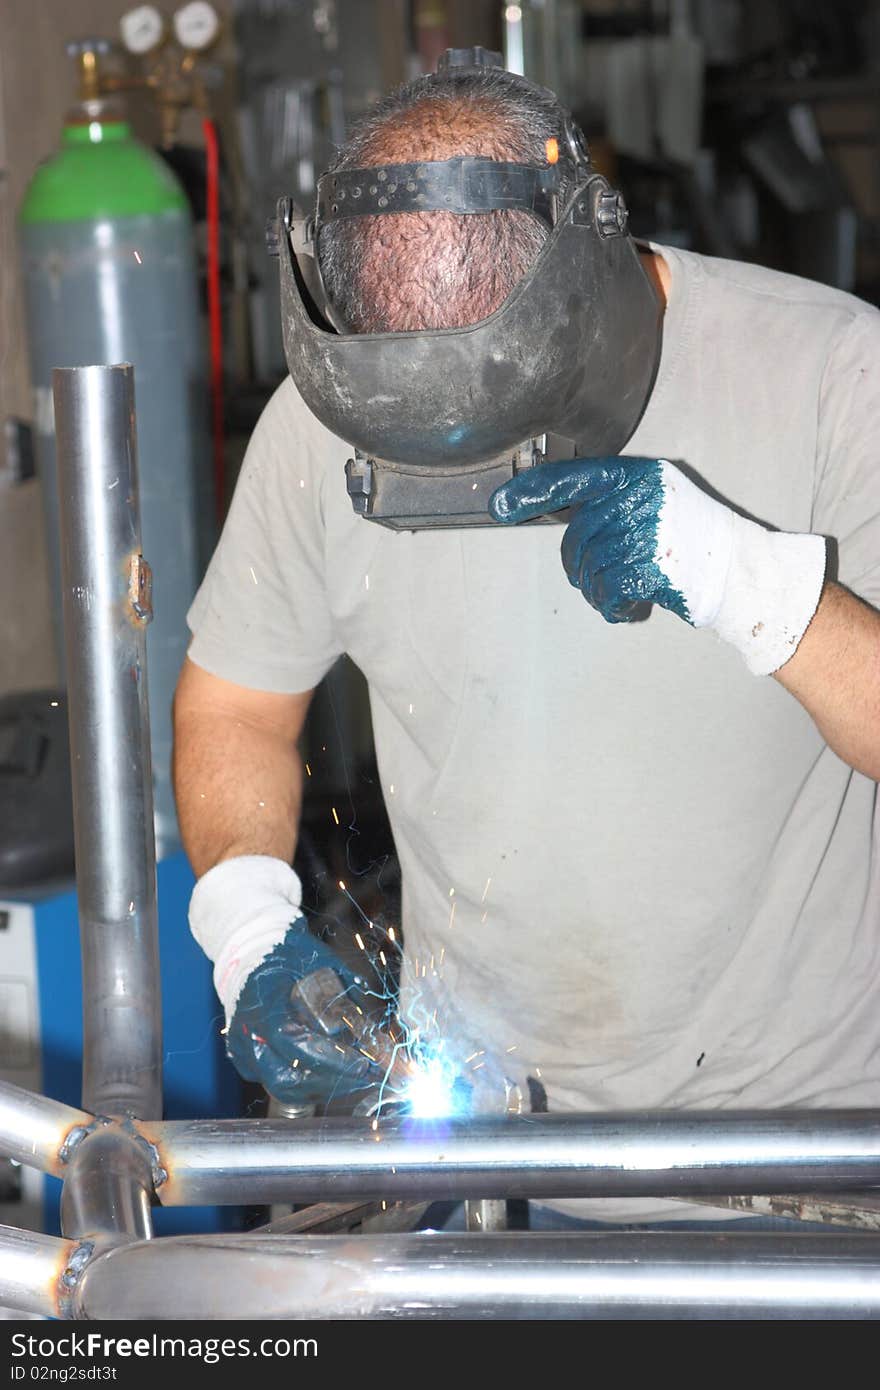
column 642, row 532
column 278, row 1042
column 245, row 914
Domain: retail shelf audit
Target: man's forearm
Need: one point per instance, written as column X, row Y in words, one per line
column 239, row 788
column 835, row 674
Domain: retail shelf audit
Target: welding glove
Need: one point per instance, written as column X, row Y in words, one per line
column 642, row 532
column 245, row 914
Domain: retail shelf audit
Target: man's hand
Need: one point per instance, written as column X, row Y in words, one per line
column 245, row 913
column 642, row 532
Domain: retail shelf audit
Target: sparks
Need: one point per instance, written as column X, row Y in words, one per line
column 335, row 817
column 429, row 1094
column 137, row 256
column 253, row 576
column 360, row 940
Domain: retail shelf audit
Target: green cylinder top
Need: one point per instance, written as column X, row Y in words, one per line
column 100, row 171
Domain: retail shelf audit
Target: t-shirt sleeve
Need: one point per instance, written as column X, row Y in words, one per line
column 261, row 617
column 847, row 494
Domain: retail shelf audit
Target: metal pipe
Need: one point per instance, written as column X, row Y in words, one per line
column 661, row 1153
column 33, row 1269
column 108, row 1189
column 35, row 1130
column 106, row 607
column 523, row 1276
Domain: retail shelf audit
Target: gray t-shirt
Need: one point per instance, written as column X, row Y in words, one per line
column 631, row 868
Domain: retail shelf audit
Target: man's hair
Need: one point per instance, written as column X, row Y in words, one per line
column 421, row 270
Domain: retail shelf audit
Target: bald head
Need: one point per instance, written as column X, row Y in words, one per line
column 418, row 270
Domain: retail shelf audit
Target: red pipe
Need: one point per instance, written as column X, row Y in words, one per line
column 212, row 179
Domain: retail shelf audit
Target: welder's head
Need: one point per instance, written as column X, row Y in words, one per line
column 465, row 286
column 428, row 270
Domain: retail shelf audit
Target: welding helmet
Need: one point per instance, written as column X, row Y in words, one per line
column 438, row 418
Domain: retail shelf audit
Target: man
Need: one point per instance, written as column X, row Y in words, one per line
column 636, row 842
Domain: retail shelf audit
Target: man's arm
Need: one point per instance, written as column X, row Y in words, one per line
column 835, row 674
column 642, row 531
column 238, row 780
column 237, row 770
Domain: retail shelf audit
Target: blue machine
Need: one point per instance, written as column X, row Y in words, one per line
column 41, row 1033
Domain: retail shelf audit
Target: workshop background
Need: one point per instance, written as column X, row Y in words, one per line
column 738, row 128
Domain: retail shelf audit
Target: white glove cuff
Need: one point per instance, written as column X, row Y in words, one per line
column 694, row 544
column 773, row 589
column 238, row 913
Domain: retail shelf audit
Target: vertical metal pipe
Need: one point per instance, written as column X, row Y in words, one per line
column 106, row 607
column 107, row 1190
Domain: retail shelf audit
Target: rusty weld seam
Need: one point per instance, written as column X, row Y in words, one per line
column 158, row 1172
column 71, row 1275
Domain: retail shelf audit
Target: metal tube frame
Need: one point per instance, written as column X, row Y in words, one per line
column 524, row 1276
column 115, row 1155
column 106, row 608
column 647, row 1154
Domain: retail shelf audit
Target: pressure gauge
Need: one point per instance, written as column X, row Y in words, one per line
column 142, row 29
column 196, row 25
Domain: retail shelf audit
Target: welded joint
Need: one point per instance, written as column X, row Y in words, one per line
column 75, row 1136
column 158, row 1171
column 71, row 1276
column 140, row 590
column 125, row 1125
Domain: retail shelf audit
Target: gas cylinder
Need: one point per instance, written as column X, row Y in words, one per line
column 110, row 276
